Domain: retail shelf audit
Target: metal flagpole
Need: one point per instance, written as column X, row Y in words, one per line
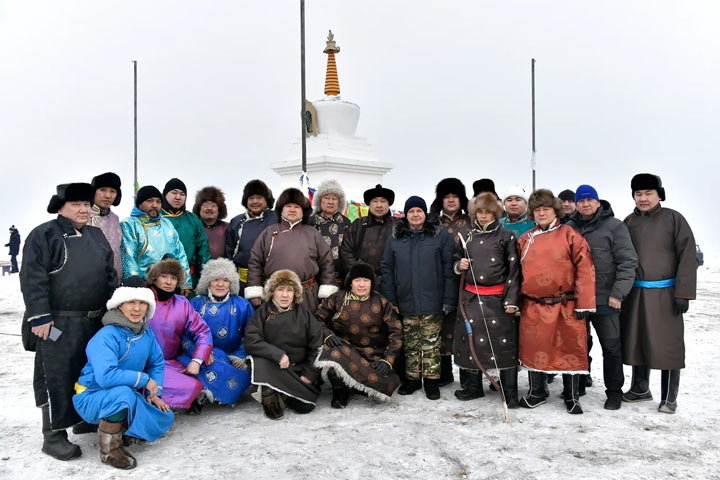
column 532, row 75
column 302, row 91
column 135, row 183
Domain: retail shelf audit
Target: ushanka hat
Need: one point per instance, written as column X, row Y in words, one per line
column 111, row 180
column 379, row 191
column 133, row 288
column 281, row 278
column 293, row 195
column 216, row 269
column 326, row 188
column 487, row 201
column 211, row 194
column 445, row 187
column 70, row 192
column 544, row 198
column 647, row 181
column 257, row 187
column 360, row 270
column 484, row 185
column 147, row 192
column 166, row 265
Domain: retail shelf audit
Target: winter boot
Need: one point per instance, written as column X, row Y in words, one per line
column 571, row 393
column 432, row 388
column 640, row 387
column 83, row 427
column 271, row 404
column 463, row 378
column 669, row 391
column 55, row 442
column 508, row 381
column 537, row 394
column 550, row 378
column 410, row 386
column 473, row 387
column 446, row 371
column 613, row 402
column 111, row 447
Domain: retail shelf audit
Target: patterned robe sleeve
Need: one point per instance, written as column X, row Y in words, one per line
column 324, row 313
column 584, row 271
column 199, row 332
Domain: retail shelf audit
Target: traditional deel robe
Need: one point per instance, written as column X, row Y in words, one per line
column 458, row 224
column 109, row 223
column 120, row 363
column 519, row 226
column 192, row 236
column 365, row 240
column 496, row 277
column 240, row 238
column 216, row 238
column 297, row 247
column 652, row 335
column 555, row 261
column 146, row 240
column 226, row 319
column 332, row 231
column 371, row 331
column 174, row 319
column 296, row 333
column 69, row 275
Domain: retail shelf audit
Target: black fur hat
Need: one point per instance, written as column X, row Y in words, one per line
column 293, row 195
column 108, row 179
column 647, row 181
column 484, row 185
column 379, row 191
column 360, row 270
column 70, row 192
column 210, row 194
column 445, row 187
column 257, row 187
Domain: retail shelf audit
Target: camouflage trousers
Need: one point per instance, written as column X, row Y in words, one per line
column 421, row 341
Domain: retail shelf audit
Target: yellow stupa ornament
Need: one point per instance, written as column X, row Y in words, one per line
column 332, row 84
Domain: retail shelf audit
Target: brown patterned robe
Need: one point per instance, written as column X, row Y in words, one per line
column 371, row 331
column 332, row 231
column 458, row 223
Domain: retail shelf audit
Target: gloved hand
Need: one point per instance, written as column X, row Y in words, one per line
column 447, row 308
column 680, row 305
column 382, row 368
column 582, row 315
column 333, row 341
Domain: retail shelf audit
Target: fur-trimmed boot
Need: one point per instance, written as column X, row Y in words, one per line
column 669, row 387
column 537, row 394
column 640, row 386
column 446, row 371
column 508, row 380
column 111, row 446
column 473, row 387
column 571, row 393
column 55, row 442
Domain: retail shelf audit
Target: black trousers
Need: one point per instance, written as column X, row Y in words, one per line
column 13, row 264
column 607, row 328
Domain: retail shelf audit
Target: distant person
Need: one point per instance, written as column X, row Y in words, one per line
column 245, row 228
column 188, row 225
column 328, row 219
column 211, row 209
column 108, row 194
column 567, row 198
column 14, row 245
column 516, row 216
column 652, row 315
column 67, row 276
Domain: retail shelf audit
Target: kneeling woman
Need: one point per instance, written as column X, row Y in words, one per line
column 363, row 335
column 283, row 339
column 174, row 320
column 227, row 315
column 123, row 360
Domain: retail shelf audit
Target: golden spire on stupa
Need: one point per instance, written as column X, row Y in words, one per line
column 332, row 85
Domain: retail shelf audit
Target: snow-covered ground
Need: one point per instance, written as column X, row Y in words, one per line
column 409, row 438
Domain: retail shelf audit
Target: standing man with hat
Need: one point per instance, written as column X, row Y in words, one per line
column 515, row 203
column 364, row 241
column 148, row 237
column 567, row 197
column 245, row 228
column 108, row 194
column 189, row 227
column 651, row 319
column 211, row 209
column 66, row 277
column 14, row 245
column 328, row 205
column 615, row 262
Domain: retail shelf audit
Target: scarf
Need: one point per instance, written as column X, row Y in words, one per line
column 116, row 317
column 160, row 294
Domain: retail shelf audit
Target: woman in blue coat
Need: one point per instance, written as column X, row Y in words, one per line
column 122, row 380
column 226, row 314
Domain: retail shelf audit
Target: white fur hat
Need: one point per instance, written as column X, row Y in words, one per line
column 218, row 268
column 325, row 188
column 134, row 288
column 515, row 191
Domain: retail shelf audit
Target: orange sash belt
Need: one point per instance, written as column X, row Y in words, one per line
column 482, row 290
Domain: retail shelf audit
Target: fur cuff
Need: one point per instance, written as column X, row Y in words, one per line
column 128, row 294
column 326, row 290
column 253, row 292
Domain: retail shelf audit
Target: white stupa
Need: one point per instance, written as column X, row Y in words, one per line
column 333, row 149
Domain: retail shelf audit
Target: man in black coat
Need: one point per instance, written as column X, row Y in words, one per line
column 615, row 262
column 14, row 245
column 66, row 278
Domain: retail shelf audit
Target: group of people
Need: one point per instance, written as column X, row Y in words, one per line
column 168, row 310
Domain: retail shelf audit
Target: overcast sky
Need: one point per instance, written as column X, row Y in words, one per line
column 444, row 90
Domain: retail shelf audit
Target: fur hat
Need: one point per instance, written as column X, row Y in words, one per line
column 257, row 187
column 325, row 188
column 218, row 268
column 647, row 181
column 133, row 288
column 360, row 270
column 484, row 185
column 379, row 191
column 111, row 180
column 284, row 277
column 445, row 187
column 147, row 192
column 487, row 200
column 293, row 195
column 210, row 194
column 70, row 192
column 515, row 191
column 169, row 265
column 543, row 197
